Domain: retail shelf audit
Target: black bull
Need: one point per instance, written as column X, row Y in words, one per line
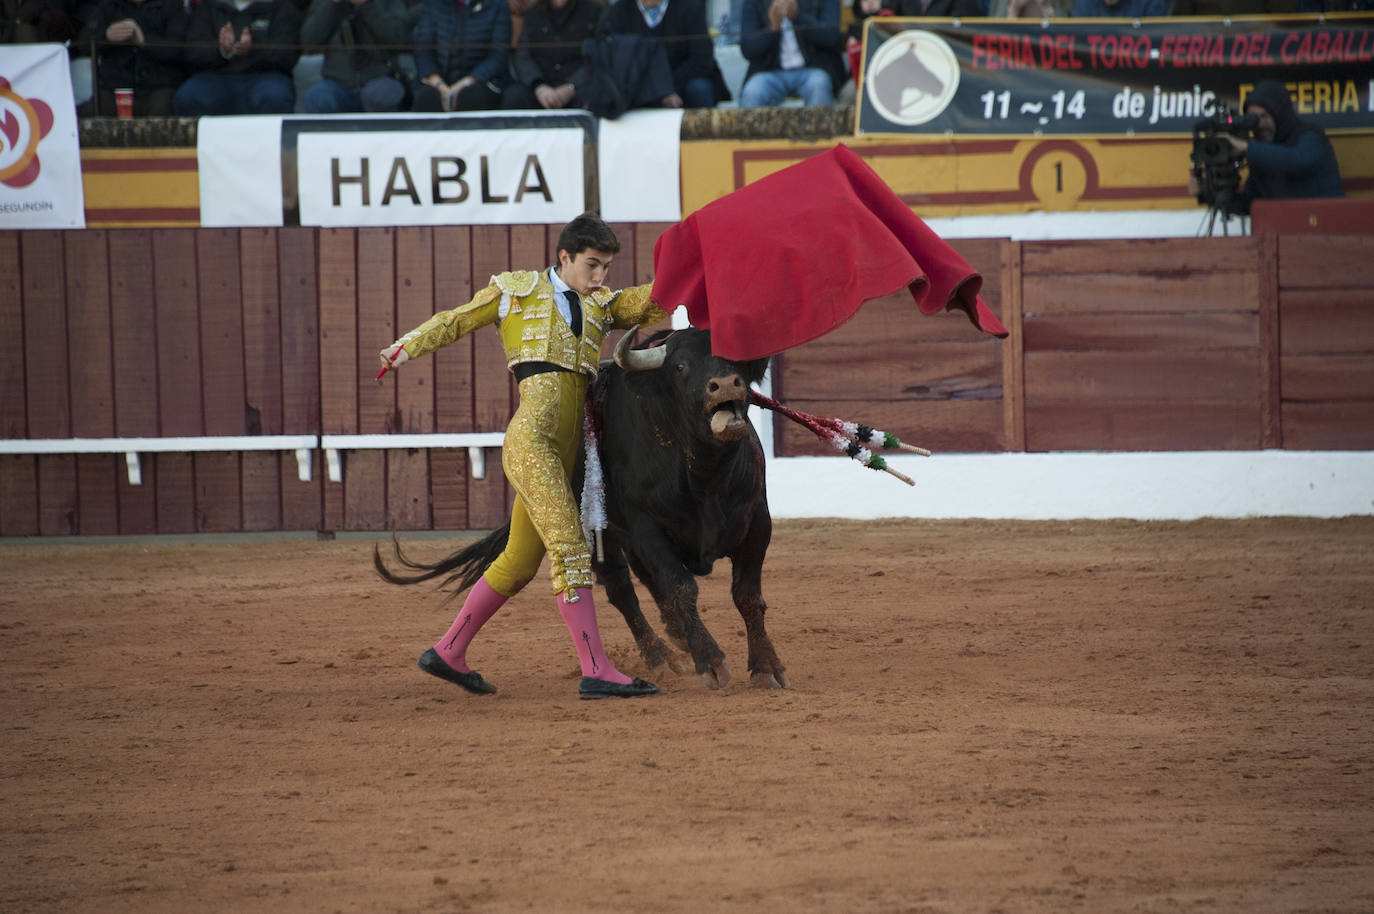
column 684, row 483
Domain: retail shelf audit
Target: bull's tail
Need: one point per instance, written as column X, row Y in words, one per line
column 463, row 568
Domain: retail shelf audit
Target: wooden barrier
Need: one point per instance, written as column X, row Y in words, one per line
column 1238, row 343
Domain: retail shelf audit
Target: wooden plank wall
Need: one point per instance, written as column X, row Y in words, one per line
column 1326, row 329
column 191, row 332
column 933, row 381
column 1189, row 344
column 1145, row 345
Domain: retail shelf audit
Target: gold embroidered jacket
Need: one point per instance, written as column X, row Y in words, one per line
column 532, row 330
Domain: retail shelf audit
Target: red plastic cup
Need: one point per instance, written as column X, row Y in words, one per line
column 124, row 102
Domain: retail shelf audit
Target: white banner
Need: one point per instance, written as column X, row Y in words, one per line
column 489, row 168
column 447, row 177
column 40, row 157
column 638, row 158
column 239, row 159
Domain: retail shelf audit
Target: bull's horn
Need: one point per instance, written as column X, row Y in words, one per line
column 638, row 359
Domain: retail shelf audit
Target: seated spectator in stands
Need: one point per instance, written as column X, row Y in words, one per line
column 793, row 48
column 517, row 19
column 360, row 72
column 19, row 21
column 138, row 47
column 242, row 54
column 1029, row 9
column 1220, row 8
column 548, row 66
column 34, row 21
column 1121, row 9
column 680, row 28
column 944, row 9
column 1289, row 158
column 462, row 54
column 1334, row 6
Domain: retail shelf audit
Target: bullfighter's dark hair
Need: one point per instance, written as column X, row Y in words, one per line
column 588, row 231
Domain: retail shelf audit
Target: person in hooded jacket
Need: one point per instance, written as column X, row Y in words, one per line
column 137, row 47
column 1289, row 158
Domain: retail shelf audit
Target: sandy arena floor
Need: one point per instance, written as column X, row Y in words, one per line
column 984, row 717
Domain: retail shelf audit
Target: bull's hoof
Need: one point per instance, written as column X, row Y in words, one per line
column 765, row 680
column 718, row 676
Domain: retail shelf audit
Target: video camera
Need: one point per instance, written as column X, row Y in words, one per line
column 1215, row 163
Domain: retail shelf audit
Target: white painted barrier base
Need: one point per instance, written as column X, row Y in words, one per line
column 1061, row 486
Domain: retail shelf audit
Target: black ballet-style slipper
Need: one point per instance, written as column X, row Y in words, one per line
column 434, row 665
column 600, row 688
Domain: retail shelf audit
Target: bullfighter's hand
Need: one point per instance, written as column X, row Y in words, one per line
column 393, row 357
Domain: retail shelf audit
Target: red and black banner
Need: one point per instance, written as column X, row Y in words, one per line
column 1113, row 77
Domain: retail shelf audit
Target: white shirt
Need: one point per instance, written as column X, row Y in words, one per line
column 653, row 15
column 790, row 55
column 561, row 300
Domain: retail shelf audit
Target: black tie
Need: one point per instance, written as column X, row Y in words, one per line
column 575, row 309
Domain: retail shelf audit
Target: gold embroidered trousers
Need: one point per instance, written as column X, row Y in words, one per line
column 538, row 457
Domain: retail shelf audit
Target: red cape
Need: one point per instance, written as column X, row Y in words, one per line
column 792, row 256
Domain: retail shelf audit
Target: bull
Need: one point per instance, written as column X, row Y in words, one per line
column 684, row 484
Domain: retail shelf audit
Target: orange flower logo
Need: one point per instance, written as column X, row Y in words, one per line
column 23, row 123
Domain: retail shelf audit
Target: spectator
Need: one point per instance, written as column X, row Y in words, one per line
column 1289, row 159
column 19, row 21
column 58, row 21
column 462, row 53
column 865, row 10
column 793, row 47
column 854, row 39
column 242, row 54
column 548, row 65
column 1121, row 9
column 1219, row 8
column 360, row 72
column 943, row 9
column 144, row 53
column 1334, row 6
column 1029, row 9
column 679, row 26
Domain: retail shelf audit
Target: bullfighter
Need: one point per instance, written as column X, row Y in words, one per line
column 551, row 322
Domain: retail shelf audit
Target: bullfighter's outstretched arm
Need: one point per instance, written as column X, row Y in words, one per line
column 447, row 326
column 634, row 306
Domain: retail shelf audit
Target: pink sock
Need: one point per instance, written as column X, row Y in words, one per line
column 580, row 617
column 481, row 604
